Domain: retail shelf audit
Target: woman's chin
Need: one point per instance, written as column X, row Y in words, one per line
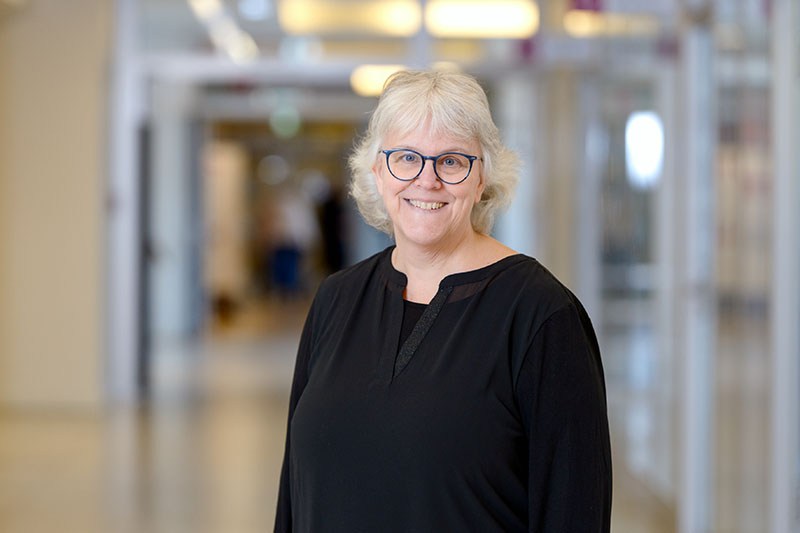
column 427, row 237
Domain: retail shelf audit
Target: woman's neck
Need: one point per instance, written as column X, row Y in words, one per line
column 425, row 267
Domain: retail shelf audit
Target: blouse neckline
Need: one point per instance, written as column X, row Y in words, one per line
column 455, row 279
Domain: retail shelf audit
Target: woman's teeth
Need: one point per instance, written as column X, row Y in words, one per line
column 426, row 205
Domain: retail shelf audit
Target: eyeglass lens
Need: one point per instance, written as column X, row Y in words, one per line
column 406, row 165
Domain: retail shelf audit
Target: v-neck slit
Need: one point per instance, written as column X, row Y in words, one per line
column 421, row 329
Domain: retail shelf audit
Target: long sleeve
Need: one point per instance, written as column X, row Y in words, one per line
column 560, row 391
column 283, row 518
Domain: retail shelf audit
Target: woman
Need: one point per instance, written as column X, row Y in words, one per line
column 447, row 383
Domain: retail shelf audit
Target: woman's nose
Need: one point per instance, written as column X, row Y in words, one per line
column 427, row 177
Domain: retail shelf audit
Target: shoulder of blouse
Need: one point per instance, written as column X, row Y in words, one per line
column 345, row 281
column 536, row 298
column 539, row 290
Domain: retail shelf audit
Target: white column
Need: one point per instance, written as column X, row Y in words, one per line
column 784, row 482
column 420, row 53
column 122, row 237
column 665, row 243
column 694, row 251
column 517, row 99
column 171, row 200
column 591, row 162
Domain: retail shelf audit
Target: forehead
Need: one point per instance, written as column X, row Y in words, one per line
column 429, row 141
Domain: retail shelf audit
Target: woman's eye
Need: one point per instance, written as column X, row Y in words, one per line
column 407, row 158
column 453, row 162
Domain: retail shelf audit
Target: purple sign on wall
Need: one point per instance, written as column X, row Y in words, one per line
column 588, row 5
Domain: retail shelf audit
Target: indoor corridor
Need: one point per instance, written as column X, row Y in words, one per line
column 174, row 185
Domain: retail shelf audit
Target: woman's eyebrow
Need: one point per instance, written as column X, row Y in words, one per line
column 447, row 151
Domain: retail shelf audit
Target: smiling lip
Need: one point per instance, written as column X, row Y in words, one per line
column 428, row 206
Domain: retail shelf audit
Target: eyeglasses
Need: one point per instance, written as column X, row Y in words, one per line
column 451, row 167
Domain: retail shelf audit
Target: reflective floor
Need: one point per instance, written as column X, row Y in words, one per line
column 205, row 455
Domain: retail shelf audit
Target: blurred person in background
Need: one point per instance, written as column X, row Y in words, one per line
column 289, row 229
column 447, row 383
column 331, row 213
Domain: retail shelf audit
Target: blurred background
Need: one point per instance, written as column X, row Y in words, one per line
column 173, row 189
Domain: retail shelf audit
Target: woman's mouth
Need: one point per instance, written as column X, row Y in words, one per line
column 428, row 206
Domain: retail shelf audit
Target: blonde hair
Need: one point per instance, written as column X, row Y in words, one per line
column 451, row 103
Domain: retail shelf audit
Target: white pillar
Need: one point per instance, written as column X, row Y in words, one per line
column 591, row 163
column 694, row 251
column 665, row 243
column 785, row 456
column 171, row 289
column 517, row 99
column 122, row 237
column 420, row 51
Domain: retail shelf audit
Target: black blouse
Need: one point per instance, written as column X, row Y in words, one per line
column 491, row 416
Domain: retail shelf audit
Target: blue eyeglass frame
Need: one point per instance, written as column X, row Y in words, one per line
column 433, row 158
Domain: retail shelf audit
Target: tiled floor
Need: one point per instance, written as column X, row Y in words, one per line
column 205, row 455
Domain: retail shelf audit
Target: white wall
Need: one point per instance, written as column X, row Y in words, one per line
column 53, row 87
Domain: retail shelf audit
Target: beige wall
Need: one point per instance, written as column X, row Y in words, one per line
column 53, row 100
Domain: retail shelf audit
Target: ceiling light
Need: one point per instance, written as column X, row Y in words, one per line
column 242, row 49
column 206, row 9
column 500, row 19
column 401, row 18
column 578, row 23
column 445, row 66
column 285, row 121
column 224, row 32
column 644, row 149
column 368, row 80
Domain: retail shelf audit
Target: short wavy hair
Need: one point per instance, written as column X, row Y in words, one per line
column 453, row 104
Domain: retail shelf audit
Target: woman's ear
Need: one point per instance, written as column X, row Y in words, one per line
column 481, row 187
column 377, row 176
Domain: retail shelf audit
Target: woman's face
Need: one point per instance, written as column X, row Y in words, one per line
column 425, row 211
